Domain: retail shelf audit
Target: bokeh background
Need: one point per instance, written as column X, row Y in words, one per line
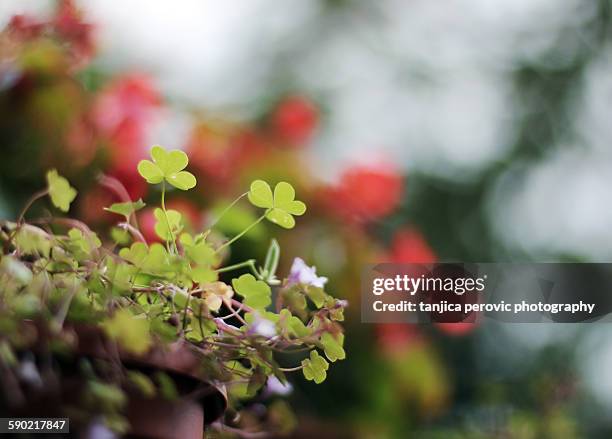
column 464, row 130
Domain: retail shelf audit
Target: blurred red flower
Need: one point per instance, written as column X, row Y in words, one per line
column 295, row 120
column 211, row 151
column 69, row 24
column 456, row 329
column 221, row 152
column 396, row 338
column 122, row 113
column 92, row 204
column 409, row 247
column 365, row 194
column 25, row 27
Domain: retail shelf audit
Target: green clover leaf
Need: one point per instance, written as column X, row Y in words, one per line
column 167, row 165
column 151, row 260
column 136, row 254
column 281, row 205
column 256, row 293
column 198, row 250
column 168, row 224
column 260, row 195
column 203, row 274
column 332, row 345
column 315, row 367
column 317, row 295
column 293, row 324
column 126, row 209
column 131, row 332
column 80, row 245
column 60, row 191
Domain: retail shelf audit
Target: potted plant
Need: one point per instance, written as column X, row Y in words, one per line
column 156, row 339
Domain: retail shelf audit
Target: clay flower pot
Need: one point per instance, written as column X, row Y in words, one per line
column 158, row 418
column 199, row 402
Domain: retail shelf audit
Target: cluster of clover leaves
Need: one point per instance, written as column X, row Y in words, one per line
column 55, row 271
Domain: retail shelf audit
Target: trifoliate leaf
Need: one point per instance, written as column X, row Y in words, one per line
column 282, row 218
column 126, row 209
column 260, row 194
column 32, row 241
column 150, row 172
column 284, row 199
column 151, row 260
column 201, row 328
column 203, row 274
column 317, row 295
column 256, row 293
column 129, row 331
column 281, row 206
column 135, row 254
column 202, row 254
column 169, row 161
column 120, row 276
column 167, row 165
column 337, row 314
column 168, row 224
column 250, row 317
column 198, row 250
column 315, row 367
column 294, row 299
column 293, row 324
column 60, row 191
column 332, row 346
column 182, row 180
column 82, row 245
column 161, row 328
column 120, row 236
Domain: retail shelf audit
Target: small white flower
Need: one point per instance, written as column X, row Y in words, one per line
column 28, row 372
column 263, row 327
column 275, row 387
column 303, row 274
column 97, row 430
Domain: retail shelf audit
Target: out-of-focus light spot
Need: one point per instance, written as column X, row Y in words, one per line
column 39, row 8
column 595, row 351
column 560, row 206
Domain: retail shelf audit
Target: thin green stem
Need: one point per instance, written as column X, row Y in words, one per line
column 227, row 209
column 248, row 263
column 21, row 217
column 291, row 369
column 241, row 234
column 163, row 206
column 31, row 201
